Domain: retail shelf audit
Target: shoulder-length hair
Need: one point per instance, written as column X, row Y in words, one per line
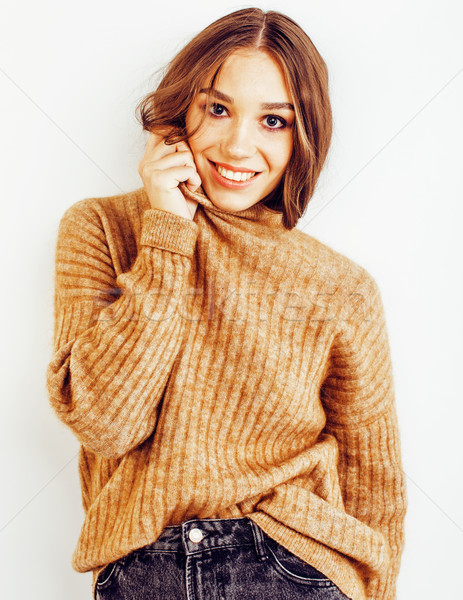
column 305, row 74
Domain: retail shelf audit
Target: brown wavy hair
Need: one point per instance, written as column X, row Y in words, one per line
column 306, row 76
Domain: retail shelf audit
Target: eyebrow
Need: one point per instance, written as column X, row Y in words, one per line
column 265, row 105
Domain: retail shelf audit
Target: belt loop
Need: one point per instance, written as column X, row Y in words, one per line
column 259, row 541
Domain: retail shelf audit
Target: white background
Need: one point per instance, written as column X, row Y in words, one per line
column 389, row 198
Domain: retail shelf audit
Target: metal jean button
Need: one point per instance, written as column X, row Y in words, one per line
column 195, row 535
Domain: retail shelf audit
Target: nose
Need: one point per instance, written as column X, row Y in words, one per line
column 238, row 142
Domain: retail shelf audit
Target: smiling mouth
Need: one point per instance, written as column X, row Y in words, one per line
column 234, row 175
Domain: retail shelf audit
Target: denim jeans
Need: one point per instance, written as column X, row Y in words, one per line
column 214, row 559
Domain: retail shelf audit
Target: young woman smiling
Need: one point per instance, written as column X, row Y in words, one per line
column 228, row 376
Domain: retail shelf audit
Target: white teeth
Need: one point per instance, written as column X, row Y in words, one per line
column 234, row 175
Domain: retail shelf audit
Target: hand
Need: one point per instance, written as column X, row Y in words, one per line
column 162, row 168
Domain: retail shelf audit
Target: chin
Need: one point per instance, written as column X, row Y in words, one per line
column 230, row 201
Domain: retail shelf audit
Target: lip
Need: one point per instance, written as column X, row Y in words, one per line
column 228, row 183
column 235, row 169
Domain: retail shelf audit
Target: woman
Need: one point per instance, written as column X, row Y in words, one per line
column 227, row 375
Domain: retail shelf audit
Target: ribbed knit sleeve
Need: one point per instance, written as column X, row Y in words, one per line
column 116, row 338
column 359, row 400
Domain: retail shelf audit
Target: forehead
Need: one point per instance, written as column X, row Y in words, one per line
column 253, row 72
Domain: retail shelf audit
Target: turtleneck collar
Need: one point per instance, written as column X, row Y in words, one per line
column 259, row 214
column 242, row 228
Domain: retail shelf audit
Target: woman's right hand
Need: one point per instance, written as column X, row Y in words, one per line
column 162, row 168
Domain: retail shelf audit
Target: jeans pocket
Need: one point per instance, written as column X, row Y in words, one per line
column 109, row 574
column 294, row 568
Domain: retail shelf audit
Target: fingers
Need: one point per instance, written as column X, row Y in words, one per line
column 163, row 167
column 183, row 173
column 193, row 182
column 175, row 159
column 156, row 146
column 169, row 171
column 154, row 141
column 171, row 177
column 182, row 147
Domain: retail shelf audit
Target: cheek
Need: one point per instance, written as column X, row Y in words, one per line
column 282, row 155
column 197, row 150
column 195, row 146
column 198, row 156
column 200, row 141
column 289, row 146
column 192, row 120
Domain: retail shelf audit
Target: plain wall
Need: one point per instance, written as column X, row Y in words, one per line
column 389, row 198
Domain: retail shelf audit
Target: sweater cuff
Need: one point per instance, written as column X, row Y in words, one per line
column 168, row 231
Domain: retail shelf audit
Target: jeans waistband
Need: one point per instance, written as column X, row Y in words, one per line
column 197, row 535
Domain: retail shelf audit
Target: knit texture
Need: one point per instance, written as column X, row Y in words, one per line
column 223, row 367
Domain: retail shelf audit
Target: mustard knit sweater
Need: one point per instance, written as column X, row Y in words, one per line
column 223, row 367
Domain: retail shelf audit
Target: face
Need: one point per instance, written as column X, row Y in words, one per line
column 244, row 145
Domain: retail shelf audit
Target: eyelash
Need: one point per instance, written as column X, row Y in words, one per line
column 284, row 124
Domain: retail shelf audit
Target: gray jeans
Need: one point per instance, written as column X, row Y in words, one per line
column 214, row 559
